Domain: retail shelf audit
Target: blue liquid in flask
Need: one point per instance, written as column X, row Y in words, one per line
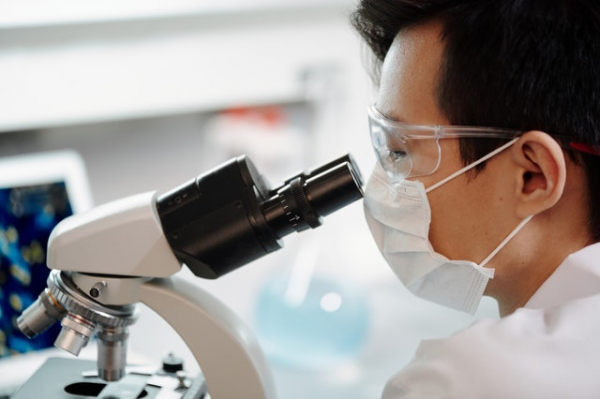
column 327, row 325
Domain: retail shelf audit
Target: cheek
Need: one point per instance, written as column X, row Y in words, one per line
column 459, row 208
column 467, row 223
column 451, row 225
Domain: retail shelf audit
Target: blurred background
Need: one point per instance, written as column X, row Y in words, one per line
column 152, row 93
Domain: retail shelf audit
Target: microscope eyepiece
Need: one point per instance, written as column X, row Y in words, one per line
column 303, row 200
column 229, row 216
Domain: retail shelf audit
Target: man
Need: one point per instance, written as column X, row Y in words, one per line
column 487, row 132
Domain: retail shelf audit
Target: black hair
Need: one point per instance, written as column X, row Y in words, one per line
column 518, row 64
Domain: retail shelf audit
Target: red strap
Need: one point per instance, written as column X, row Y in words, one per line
column 588, row 149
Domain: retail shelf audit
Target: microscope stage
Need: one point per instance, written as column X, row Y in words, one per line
column 64, row 378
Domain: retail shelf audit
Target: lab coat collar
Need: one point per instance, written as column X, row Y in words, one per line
column 577, row 277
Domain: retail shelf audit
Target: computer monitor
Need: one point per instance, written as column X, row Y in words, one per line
column 36, row 192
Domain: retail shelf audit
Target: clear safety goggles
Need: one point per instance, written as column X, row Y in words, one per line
column 405, row 150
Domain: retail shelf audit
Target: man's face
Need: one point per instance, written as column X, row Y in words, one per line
column 468, row 221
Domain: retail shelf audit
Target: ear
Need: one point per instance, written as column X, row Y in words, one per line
column 541, row 172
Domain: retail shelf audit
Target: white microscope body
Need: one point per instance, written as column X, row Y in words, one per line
column 108, row 259
column 118, row 254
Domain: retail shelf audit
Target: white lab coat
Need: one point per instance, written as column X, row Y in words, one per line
column 548, row 349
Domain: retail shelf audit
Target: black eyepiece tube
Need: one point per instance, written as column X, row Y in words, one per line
column 229, row 217
column 305, row 199
column 333, row 189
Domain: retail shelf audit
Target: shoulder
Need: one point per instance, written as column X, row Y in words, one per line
column 533, row 353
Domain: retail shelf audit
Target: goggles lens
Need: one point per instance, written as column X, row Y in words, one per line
column 391, row 152
column 402, row 150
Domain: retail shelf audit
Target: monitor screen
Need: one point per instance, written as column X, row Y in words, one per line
column 36, row 192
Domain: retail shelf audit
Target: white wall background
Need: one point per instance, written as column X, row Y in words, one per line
column 136, row 93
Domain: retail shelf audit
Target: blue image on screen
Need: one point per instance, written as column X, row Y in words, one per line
column 27, row 216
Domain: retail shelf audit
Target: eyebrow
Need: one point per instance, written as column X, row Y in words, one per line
column 390, row 117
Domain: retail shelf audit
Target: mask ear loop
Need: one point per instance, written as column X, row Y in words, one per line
column 471, row 166
column 506, row 240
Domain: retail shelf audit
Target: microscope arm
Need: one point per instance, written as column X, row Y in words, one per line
column 226, row 350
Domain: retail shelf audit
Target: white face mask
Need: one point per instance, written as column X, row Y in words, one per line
column 399, row 216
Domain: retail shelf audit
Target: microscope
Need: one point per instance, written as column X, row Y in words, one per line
column 114, row 256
